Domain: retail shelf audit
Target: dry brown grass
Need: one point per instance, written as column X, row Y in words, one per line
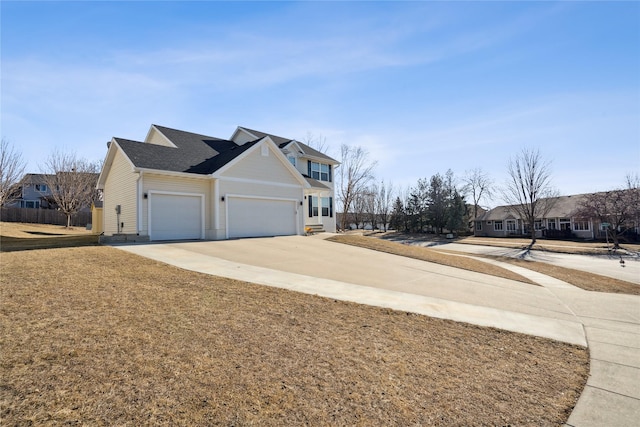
column 96, row 336
column 579, row 278
column 429, row 255
column 16, row 236
column 559, row 246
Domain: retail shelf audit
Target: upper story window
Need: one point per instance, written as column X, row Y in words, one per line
column 41, row 187
column 320, row 171
column 292, row 159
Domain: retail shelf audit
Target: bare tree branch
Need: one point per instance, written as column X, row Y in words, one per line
column 529, row 190
column 478, row 185
column 11, row 171
column 72, row 181
column 317, row 142
column 384, row 203
column 620, row 208
column 354, row 175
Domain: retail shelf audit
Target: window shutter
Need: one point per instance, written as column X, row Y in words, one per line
column 310, row 200
column 330, row 205
column 309, row 168
column 330, row 180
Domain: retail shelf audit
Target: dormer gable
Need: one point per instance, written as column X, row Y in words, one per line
column 156, row 137
column 241, row 136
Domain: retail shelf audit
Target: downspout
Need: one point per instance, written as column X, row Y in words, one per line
column 140, row 201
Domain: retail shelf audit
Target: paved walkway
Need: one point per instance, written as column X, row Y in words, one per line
column 609, row 324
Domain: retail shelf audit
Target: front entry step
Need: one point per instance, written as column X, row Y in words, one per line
column 314, row 228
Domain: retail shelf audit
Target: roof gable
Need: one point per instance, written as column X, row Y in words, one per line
column 284, row 142
column 253, row 160
column 155, row 136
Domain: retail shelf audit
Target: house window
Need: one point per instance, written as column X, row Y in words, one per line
column 320, row 171
column 497, row 225
column 537, row 224
column 313, row 206
column 565, row 224
column 32, row 204
column 511, row 225
column 327, row 206
column 292, row 159
column 551, row 224
column 324, row 172
column 581, row 225
column 41, row 187
column 479, row 225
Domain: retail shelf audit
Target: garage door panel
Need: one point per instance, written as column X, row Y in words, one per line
column 175, row 217
column 253, row 217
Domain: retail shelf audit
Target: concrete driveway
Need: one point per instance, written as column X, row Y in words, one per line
column 608, row 323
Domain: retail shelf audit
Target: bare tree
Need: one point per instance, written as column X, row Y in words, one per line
column 619, row 208
column 369, row 196
column 358, row 210
column 11, row 171
column 354, row 175
column 529, row 190
column 478, row 185
column 384, row 203
column 71, row 180
column 317, row 142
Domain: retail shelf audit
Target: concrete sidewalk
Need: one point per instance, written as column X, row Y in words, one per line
column 609, row 324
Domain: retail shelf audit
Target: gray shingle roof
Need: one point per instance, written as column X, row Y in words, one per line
column 194, row 153
column 315, row 183
column 282, row 142
column 564, row 207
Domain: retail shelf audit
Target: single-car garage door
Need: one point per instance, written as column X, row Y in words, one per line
column 175, row 216
column 257, row 217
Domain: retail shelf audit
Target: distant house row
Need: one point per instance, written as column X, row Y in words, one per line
column 32, row 192
column 564, row 220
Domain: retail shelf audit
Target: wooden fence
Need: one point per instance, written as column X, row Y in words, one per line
column 44, row 216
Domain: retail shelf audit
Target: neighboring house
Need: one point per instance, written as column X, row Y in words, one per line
column 562, row 221
column 33, row 192
column 179, row 185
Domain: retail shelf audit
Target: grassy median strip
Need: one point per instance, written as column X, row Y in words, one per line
column 579, row 278
column 97, row 336
column 9, row 244
column 429, row 255
column 15, row 236
column 557, row 246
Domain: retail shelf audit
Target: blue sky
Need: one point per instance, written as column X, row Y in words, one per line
column 424, row 86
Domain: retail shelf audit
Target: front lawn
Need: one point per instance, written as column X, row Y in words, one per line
column 97, row 336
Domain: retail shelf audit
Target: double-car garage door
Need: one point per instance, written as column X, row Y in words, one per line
column 181, row 216
column 259, row 217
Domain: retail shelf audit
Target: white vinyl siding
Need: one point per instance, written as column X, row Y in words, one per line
column 155, row 137
column 120, row 189
column 266, row 169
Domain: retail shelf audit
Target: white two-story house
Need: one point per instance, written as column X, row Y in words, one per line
column 177, row 185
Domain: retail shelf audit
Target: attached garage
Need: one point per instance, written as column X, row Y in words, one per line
column 252, row 216
column 176, row 216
